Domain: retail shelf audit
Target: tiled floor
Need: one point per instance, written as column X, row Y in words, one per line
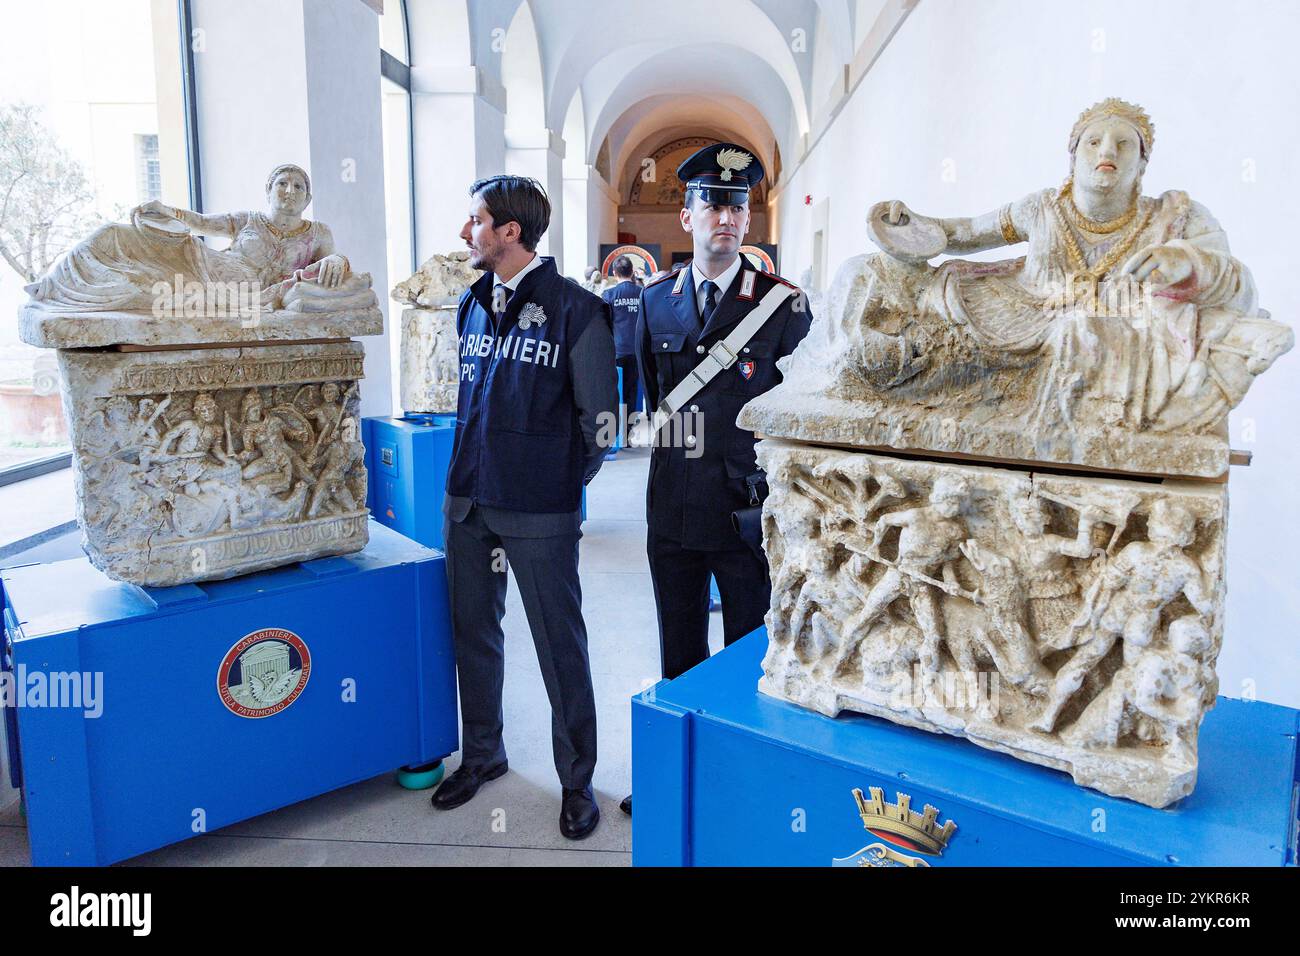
column 513, row 821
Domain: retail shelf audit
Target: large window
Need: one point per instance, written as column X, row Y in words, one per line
column 92, row 123
column 395, row 90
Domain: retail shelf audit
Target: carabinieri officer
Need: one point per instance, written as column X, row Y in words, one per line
column 535, row 414
column 702, row 469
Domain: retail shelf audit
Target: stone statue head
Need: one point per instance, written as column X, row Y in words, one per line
column 251, row 407
column 1171, row 523
column 949, row 494
column 288, row 189
column 118, row 411
column 1110, row 144
column 205, row 407
column 329, row 392
column 1029, row 512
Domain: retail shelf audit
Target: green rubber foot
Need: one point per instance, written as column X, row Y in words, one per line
column 421, row 778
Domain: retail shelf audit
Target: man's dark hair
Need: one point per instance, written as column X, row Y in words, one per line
column 622, row 267
column 518, row 199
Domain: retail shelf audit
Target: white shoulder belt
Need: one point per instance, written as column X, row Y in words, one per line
column 721, row 355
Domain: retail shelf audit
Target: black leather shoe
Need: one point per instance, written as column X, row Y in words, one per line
column 461, row 786
column 626, row 805
column 578, row 814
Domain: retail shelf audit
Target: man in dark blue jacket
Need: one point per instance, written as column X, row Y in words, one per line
column 625, row 302
column 534, row 419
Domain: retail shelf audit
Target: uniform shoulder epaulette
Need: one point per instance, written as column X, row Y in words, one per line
column 663, row 278
column 776, row 278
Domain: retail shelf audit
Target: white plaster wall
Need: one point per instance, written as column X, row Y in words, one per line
column 298, row 81
column 602, row 216
column 576, row 222
column 347, row 154
column 970, row 106
column 442, row 176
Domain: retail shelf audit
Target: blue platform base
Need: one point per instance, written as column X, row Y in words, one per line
column 622, row 422
column 724, row 775
column 407, row 459
column 188, row 738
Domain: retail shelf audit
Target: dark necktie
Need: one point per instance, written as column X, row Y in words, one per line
column 710, row 290
column 501, row 294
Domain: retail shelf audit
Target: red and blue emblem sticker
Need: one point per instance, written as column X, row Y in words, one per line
column 746, row 368
column 264, row 673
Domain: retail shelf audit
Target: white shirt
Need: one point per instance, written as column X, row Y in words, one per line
column 723, row 282
column 513, row 284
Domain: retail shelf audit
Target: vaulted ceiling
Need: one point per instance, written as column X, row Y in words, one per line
column 629, row 76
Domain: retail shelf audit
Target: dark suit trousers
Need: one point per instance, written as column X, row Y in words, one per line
column 546, row 571
column 681, row 583
column 630, row 381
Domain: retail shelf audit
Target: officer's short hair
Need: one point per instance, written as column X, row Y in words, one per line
column 518, row 199
column 622, row 267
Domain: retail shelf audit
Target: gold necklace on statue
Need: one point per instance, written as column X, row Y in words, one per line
column 1095, row 226
column 279, row 233
column 1116, row 254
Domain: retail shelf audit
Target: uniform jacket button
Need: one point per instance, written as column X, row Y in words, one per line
column 695, row 408
column 700, row 349
column 690, row 439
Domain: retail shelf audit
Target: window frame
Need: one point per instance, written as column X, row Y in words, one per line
column 399, row 73
column 13, row 474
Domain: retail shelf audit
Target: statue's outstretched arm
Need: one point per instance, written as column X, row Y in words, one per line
column 220, row 224
column 1005, row 226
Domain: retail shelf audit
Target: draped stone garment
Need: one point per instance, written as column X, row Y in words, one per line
column 1029, row 336
column 119, row 267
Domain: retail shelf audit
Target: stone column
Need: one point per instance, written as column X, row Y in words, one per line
column 540, row 154
column 470, row 102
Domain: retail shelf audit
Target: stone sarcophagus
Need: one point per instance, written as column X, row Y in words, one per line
column 1071, row 621
column 212, row 396
column 197, row 464
column 430, row 363
column 956, row 536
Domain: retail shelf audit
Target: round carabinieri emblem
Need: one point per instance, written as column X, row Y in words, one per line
column 264, row 673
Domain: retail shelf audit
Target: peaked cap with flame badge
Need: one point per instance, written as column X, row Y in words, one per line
column 722, row 173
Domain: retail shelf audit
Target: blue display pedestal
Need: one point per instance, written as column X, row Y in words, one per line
column 622, row 420
column 407, row 459
column 724, row 775
column 194, row 730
